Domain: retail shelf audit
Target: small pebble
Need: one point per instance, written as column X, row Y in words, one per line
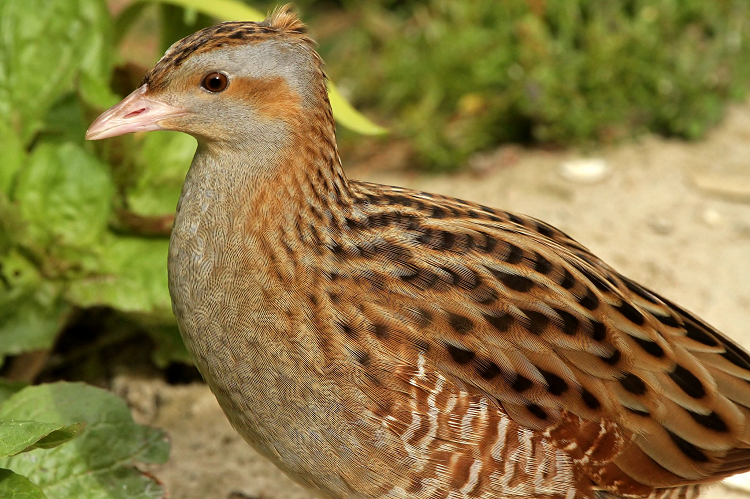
column 585, row 170
column 661, row 226
column 712, row 218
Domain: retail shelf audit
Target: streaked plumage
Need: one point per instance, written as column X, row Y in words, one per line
column 374, row 341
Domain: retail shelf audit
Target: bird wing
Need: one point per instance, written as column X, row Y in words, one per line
column 516, row 309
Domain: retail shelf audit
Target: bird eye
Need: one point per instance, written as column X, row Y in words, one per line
column 215, row 82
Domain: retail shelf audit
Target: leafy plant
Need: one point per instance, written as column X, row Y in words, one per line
column 465, row 76
column 55, row 195
column 70, row 440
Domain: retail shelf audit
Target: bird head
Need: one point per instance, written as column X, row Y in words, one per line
column 230, row 83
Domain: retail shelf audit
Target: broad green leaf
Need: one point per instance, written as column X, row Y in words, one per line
column 96, row 67
column 162, row 164
column 31, row 311
column 44, row 46
column 8, row 388
column 65, row 195
column 99, row 464
column 14, row 486
column 23, row 436
column 131, row 277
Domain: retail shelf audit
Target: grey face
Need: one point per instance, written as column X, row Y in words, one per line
column 260, row 75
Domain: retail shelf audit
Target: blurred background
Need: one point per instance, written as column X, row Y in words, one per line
column 626, row 123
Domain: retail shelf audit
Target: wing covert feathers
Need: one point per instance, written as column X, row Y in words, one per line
column 517, row 311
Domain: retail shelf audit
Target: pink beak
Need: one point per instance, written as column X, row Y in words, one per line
column 135, row 113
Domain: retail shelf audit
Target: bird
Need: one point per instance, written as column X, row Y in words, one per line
column 374, row 341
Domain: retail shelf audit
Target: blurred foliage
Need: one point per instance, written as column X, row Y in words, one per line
column 55, row 195
column 460, row 77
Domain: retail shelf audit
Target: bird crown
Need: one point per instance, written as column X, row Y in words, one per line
column 281, row 22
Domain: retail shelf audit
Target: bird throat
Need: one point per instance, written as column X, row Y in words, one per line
column 246, row 240
column 244, row 228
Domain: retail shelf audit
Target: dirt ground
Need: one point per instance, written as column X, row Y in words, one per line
column 674, row 216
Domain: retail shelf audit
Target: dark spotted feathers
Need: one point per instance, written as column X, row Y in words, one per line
column 522, row 312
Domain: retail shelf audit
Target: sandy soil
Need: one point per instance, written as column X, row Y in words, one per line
column 674, row 216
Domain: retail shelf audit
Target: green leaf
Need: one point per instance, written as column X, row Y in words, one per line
column 162, row 164
column 65, row 195
column 44, row 47
column 66, row 120
column 23, row 436
column 131, row 277
column 14, row 486
column 99, row 464
column 31, row 311
column 8, row 388
column 349, row 117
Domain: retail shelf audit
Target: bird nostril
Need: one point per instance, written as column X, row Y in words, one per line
column 135, row 113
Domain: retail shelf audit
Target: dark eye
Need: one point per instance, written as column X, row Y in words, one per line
column 215, row 82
